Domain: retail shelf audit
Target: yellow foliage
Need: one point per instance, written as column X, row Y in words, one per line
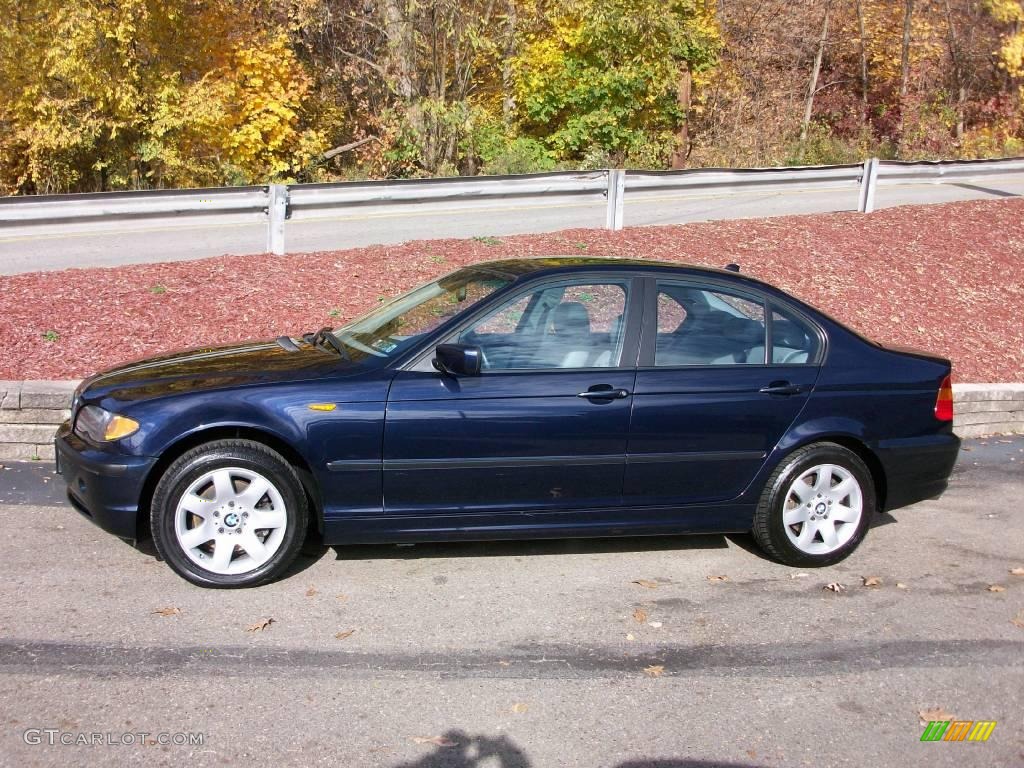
column 147, row 93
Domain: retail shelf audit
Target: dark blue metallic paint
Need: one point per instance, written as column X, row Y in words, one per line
column 409, row 454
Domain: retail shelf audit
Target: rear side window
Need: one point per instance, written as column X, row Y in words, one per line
column 703, row 327
column 794, row 341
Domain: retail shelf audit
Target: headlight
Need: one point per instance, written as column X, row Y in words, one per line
column 102, row 426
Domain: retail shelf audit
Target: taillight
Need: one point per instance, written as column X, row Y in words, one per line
column 944, row 401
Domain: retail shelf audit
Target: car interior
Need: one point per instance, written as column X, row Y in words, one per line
column 718, row 329
column 582, row 327
column 560, row 327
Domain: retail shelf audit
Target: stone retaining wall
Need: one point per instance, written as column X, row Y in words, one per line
column 31, row 410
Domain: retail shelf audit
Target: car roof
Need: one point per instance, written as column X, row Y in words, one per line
column 567, row 264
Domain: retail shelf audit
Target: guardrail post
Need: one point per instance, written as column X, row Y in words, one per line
column 868, row 182
column 616, row 193
column 277, row 211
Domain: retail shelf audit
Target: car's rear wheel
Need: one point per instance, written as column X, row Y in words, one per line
column 816, row 507
column 229, row 513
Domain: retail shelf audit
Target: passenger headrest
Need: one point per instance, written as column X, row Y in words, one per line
column 570, row 316
column 786, row 333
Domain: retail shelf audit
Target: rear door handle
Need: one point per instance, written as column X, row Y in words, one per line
column 781, row 388
column 604, row 394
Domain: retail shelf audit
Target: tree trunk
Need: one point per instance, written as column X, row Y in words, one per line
column 957, row 69
column 683, row 97
column 812, row 85
column 863, row 62
column 401, row 49
column 908, row 14
column 508, row 101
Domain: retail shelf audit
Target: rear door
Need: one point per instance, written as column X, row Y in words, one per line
column 543, row 427
column 709, row 402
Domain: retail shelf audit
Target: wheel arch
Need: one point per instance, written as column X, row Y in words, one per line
column 860, row 448
column 221, row 432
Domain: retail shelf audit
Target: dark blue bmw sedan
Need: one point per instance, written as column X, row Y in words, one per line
column 517, row 399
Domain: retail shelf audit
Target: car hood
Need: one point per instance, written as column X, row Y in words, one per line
column 213, row 368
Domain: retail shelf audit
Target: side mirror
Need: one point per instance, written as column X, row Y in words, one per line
column 458, row 359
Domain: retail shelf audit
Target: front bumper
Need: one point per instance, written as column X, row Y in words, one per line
column 105, row 487
column 917, row 468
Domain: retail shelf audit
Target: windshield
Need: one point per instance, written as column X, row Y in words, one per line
column 397, row 324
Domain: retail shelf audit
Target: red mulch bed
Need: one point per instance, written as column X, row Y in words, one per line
column 947, row 278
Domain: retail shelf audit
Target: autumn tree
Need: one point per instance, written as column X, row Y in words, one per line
column 145, row 93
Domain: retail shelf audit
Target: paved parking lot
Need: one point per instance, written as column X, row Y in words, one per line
column 665, row 652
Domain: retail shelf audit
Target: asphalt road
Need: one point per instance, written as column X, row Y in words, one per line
column 523, row 654
column 28, row 249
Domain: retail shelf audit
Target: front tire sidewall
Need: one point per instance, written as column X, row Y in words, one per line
column 183, row 472
column 774, row 499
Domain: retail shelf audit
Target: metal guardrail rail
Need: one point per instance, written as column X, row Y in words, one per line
column 276, row 203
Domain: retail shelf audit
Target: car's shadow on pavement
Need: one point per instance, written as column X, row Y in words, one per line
column 458, row 749
column 315, row 550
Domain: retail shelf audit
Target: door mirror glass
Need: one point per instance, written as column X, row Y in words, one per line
column 458, row 359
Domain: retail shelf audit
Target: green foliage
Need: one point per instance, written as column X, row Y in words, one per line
column 603, row 75
column 487, row 240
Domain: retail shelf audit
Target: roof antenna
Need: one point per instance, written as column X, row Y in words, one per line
column 733, row 267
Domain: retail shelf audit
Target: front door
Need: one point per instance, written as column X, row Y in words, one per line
column 543, row 427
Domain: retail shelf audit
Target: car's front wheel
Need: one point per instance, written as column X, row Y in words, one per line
column 229, row 513
column 816, row 507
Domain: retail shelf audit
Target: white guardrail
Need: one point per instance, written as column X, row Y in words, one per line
column 277, row 203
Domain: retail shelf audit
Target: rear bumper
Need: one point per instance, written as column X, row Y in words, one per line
column 104, row 487
column 916, row 468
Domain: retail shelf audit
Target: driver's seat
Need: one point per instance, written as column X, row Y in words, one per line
column 569, row 343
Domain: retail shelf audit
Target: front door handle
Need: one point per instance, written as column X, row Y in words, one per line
column 781, row 388
column 604, row 394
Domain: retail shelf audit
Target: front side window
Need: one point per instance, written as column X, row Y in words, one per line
column 396, row 325
column 697, row 326
column 565, row 325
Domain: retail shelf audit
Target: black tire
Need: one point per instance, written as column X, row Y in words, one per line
column 769, row 527
column 192, row 465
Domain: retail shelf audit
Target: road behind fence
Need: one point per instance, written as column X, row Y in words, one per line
column 57, row 231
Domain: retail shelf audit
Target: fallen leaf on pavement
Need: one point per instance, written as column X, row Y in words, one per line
column 519, row 707
column 311, row 591
column 718, row 578
column 872, row 581
column 1017, row 571
column 170, row 611
column 835, row 586
column 260, row 625
column 504, row 663
column 630, row 636
column 646, row 583
column 346, row 633
column 799, row 575
column 995, row 588
column 935, row 713
column 341, row 597
column 439, row 741
column 901, row 585
column 1018, row 620
column 640, row 615
column 655, row 670
column 655, row 624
